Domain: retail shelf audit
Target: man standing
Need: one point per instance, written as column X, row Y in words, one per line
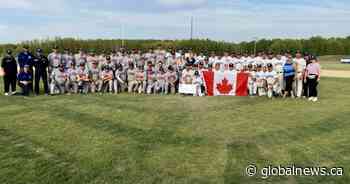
column 80, row 58
column 41, row 64
column 9, row 66
column 55, row 60
column 300, row 69
column 67, row 59
column 25, row 58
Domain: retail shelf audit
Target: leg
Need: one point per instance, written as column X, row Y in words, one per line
column 110, row 84
column 45, row 82
column 75, row 87
column 13, row 84
column 52, row 87
column 7, row 83
column 299, row 85
column 37, row 82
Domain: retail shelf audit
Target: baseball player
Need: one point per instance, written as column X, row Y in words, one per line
column 92, row 58
column 300, row 69
column 198, row 82
column 140, row 78
column 160, row 82
column 272, row 81
column 132, row 82
column 83, row 79
column 260, row 81
column 119, row 79
column 171, row 80
column 80, row 58
column 95, row 81
column 67, row 59
column 59, row 78
column 107, row 80
column 252, row 85
column 55, row 60
column 72, row 82
column 150, row 78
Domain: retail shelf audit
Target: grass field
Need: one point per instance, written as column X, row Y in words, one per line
column 172, row 139
column 333, row 63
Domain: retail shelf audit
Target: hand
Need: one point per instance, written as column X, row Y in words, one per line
column 318, row 80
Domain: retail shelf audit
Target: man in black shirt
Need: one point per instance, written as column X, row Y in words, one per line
column 41, row 64
column 9, row 66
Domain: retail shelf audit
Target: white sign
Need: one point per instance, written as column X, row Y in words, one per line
column 187, row 89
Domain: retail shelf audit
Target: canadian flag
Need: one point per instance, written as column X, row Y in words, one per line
column 228, row 83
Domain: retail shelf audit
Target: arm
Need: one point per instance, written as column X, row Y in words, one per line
column 306, row 74
column 318, row 72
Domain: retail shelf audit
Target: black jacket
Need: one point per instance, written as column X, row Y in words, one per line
column 9, row 64
column 40, row 63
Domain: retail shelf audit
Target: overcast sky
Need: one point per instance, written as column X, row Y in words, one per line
column 229, row 20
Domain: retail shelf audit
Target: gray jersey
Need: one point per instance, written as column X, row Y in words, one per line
column 94, row 74
column 67, row 60
column 72, row 74
column 55, row 59
column 59, row 76
column 131, row 75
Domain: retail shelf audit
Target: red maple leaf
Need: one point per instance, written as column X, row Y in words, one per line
column 224, row 87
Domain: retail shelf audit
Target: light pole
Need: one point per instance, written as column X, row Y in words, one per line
column 122, row 35
column 255, row 44
column 191, row 27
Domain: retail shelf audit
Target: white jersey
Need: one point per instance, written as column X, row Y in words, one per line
column 260, row 75
column 301, row 64
column 271, row 74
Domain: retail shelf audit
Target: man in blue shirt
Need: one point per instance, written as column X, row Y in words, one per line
column 26, row 58
column 25, row 79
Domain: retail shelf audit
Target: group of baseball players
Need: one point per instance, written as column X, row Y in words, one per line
column 156, row 71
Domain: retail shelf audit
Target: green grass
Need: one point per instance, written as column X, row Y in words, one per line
column 171, row 139
column 332, row 62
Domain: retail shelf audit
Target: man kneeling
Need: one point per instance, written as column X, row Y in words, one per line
column 59, row 79
column 24, row 80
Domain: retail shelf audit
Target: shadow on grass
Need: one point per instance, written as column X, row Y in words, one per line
column 243, row 152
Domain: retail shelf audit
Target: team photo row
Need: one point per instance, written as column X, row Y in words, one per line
column 161, row 71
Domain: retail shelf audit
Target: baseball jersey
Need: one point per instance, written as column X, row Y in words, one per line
column 301, row 64
column 59, row 76
column 131, row 75
column 55, row 59
column 94, row 74
column 72, row 74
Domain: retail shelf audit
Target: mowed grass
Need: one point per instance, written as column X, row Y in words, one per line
column 124, row 138
column 332, row 62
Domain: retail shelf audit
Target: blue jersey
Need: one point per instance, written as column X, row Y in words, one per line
column 288, row 70
column 25, row 59
column 24, row 76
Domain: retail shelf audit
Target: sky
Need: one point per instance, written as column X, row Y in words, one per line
column 226, row 20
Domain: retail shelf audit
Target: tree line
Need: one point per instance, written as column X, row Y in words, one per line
column 315, row 45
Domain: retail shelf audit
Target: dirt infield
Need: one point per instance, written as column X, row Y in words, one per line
column 335, row 73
